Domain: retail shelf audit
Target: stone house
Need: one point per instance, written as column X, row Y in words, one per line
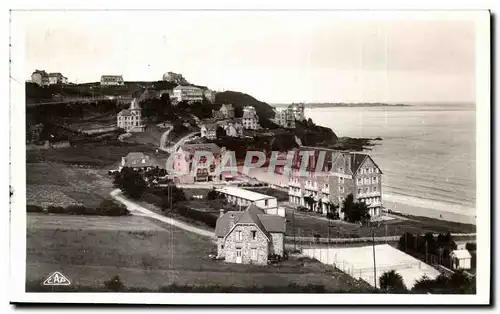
column 250, row 236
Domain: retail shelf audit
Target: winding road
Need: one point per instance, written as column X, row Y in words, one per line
column 136, row 208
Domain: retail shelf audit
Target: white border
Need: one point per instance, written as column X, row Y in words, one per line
column 18, row 217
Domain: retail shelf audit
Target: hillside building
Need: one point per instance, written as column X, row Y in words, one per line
column 131, row 119
column 250, row 236
column 112, row 80
column 175, row 78
column 341, row 174
column 187, row 93
column 250, row 118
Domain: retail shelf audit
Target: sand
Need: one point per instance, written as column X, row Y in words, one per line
column 411, row 206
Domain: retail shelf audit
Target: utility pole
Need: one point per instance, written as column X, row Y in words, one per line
column 425, row 251
column 374, row 263
column 293, row 226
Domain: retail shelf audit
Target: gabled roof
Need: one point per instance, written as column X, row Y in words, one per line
column 139, row 160
column 461, row 254
column 358, row 159
column 125, row 113
column 210, row 126
column 227, row 107
column 211, row 147
column 55, row 74
column 252, row 215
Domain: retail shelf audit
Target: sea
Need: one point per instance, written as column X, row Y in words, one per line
column 427, row 153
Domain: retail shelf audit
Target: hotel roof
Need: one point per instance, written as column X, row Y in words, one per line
column 244, row 194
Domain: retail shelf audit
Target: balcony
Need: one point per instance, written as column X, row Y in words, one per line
column 294, row 183
column 369, row 194
column 295, row 193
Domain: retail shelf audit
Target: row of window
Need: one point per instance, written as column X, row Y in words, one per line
column 372, row 180
column 239, row 235
column 253, row 253
column 368, row 170
column 367, row 190
column 370, row 200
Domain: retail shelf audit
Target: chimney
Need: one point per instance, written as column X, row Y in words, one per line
column 123, row 161
column 231, row 221
column 221, row 212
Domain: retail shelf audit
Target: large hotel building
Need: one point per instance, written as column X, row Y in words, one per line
column 331, row 175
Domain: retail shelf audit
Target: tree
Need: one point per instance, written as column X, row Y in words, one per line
column 355, row 211
column 309, row 200
column 114, row 284
column 130, row 182
column 391, row 281
column 111, row 208
column 219, row 132
column 212, row 195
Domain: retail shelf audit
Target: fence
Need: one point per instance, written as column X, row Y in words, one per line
column 311, row 240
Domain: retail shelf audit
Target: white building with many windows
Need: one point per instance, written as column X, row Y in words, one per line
column 131, row 119
column 187, row 93
column 342, row 173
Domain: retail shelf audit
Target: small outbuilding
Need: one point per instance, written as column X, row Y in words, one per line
column 460, row 259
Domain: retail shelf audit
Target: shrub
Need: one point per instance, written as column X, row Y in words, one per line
column 80, row 210
column 114, row 284
column 34, row 209
column 56, row 210
column 391, row 281
column 112, row 208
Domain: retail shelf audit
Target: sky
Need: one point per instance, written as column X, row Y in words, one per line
column 277, row 57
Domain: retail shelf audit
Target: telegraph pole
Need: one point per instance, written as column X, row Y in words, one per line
column 374, row 263
column 293, row 226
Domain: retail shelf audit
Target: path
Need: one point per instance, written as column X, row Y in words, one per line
column 134, row 208
column 173, row 148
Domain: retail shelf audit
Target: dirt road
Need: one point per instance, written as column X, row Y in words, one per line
column 138, row 209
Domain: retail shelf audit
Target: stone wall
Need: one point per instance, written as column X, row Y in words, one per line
column 277, row 244
column 246, row 244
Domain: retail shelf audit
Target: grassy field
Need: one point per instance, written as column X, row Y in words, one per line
column 101, row 155
column 151, row 136
column 62, row 185
column 307, row 225
column 147, row 255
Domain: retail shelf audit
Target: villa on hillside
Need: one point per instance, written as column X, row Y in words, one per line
column 209, row 95
column 250, row 236
column 110, row 80
column 186, row 169
column 139, row 161
column 226, row 111
column 285, row 118
column 209, row 131
column 131, row 119
column 250, row 118
column 187, row 93
column 341, row 174
column 174, row 77
column 42, row 78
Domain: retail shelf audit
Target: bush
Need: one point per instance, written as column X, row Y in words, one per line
column 114, row 284
column 34, row 209
column 56, row 210
column 112, row 208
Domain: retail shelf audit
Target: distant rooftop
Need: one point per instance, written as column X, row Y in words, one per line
column 244, row 194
